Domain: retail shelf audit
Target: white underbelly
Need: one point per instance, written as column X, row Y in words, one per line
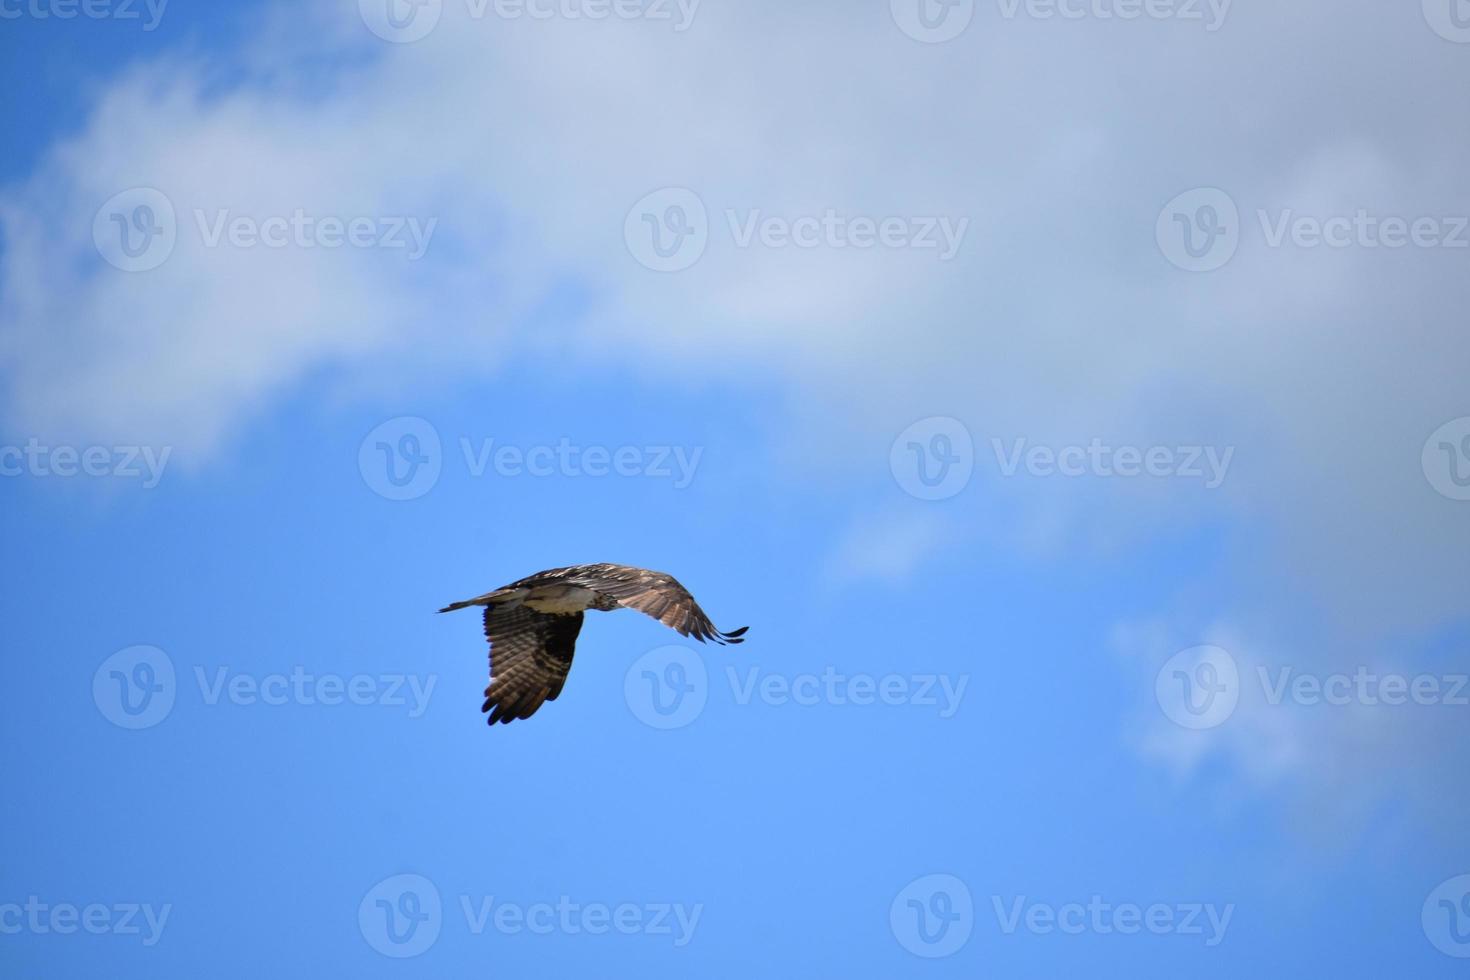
column 559, row 599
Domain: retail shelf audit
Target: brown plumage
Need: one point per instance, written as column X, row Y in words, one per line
column 532, row 626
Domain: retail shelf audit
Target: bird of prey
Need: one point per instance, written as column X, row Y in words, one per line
column 532, row 625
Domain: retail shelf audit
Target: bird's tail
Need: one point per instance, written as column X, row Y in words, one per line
column 489, row 598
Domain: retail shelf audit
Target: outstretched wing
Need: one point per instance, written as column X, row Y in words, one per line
column 656, row 593
column 530, row 654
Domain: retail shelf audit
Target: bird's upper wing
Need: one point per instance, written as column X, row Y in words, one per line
column 658, row 594
column 530, row 654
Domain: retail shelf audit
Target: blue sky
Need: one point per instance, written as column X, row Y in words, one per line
column 1072, row 405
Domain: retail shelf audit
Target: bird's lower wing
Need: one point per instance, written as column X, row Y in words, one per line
column 530, row 655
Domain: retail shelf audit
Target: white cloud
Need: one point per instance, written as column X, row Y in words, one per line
column 889, row 548
column 1317, row 726
column 1059, row 320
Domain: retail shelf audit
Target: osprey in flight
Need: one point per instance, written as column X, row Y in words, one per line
column 532, row 626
